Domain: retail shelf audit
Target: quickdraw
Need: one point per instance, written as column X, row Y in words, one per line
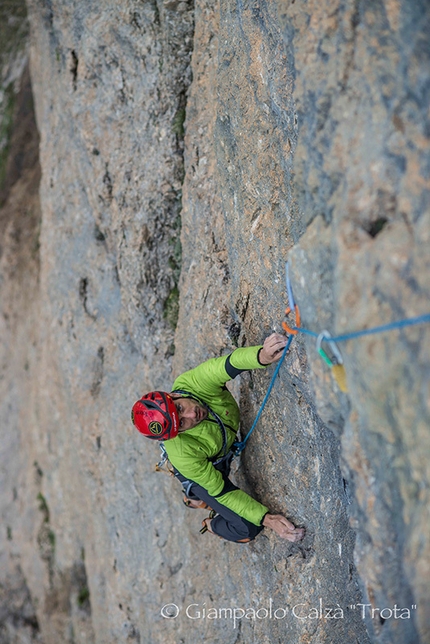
column 163, row 463
column 336, row 356
column 333, row 359
column 295, row 329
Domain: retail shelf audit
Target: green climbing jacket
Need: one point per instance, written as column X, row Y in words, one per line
column 190, row 452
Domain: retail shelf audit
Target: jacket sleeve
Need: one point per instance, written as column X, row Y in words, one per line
column 214, row 373
column 196, row 467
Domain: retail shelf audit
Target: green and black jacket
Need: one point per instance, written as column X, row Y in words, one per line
column 191, row 451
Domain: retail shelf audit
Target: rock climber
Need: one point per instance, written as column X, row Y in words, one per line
column 197, row 423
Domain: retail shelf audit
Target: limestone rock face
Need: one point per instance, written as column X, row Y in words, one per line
column 187, row 150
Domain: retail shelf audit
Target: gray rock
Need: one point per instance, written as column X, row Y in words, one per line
column 186, row 153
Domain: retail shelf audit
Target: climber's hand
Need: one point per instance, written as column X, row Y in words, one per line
column 272, row 348
column 283, row 527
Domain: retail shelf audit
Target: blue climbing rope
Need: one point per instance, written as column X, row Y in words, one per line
column 399, row 324
column 238, row 447
column 289, row 288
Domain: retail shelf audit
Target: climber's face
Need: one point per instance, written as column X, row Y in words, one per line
column 190, row 412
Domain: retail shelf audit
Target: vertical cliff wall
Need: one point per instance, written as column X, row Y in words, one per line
column 188, row 150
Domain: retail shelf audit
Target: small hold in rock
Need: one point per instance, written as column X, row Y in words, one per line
column 99, row 235
column 233, row 333
column 74, row 68
column 373, row 228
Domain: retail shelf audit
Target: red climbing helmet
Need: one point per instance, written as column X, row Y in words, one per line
column 155, row 416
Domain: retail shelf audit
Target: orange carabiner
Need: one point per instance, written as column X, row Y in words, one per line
column 284, row 324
